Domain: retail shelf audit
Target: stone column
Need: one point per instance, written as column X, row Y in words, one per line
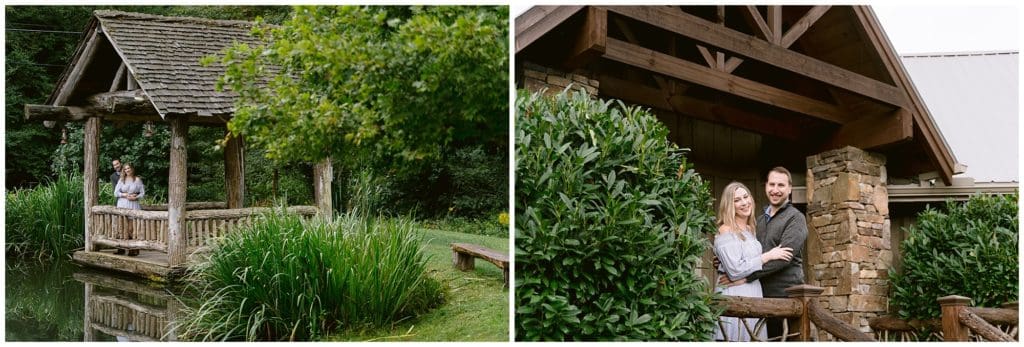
column 848, row 241
column 537, row 78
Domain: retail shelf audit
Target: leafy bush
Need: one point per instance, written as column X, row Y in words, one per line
column 48, row 220
column 967, row 249
column 287, row 278
column 479, row 182
column 609, row 225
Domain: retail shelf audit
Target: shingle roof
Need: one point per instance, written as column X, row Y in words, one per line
column 164, row 52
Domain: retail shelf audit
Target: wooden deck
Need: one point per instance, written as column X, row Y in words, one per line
column 147, row 263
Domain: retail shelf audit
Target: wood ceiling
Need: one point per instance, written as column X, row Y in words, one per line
column 810, row 77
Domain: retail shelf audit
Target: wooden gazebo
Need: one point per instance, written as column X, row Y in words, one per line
column 145, row 68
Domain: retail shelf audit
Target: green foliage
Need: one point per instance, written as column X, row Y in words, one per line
column 43, row 302
column 48, row 221
column 287, row 278
column 609, row 225
column 967, row 249
column 393, row 82
column 479, row 182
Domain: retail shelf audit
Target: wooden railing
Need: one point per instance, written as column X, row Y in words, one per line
column 126, row 309
column 147, row 229
column 959, row 322
column 814, row 323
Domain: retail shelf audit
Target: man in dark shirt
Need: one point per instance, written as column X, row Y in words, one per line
column 781, row 224
column 114, row 177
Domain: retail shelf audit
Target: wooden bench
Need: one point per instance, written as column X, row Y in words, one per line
column 463, row 255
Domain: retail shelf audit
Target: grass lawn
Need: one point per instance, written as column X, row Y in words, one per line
column 476, row 303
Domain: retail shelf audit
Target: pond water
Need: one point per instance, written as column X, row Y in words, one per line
column 53, row 301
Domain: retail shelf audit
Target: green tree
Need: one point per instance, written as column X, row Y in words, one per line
column 400, row 83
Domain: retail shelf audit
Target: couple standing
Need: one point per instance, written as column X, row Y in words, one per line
column 758, row 255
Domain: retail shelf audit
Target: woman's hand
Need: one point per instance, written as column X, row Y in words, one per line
column 777, row 253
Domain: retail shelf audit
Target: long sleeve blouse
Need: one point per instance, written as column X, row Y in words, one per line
column 738, row 258
column 123, row 189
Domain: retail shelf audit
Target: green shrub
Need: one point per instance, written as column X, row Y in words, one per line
column 48, row 220
column 609, row 225
column 479, row 182
column 286, row 278
column 967, row 249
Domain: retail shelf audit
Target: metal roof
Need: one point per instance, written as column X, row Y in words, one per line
column 973, row 100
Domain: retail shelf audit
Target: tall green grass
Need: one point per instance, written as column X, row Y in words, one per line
column 286, row 278
column 48, row 220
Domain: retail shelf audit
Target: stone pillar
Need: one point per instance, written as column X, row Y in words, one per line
column 536, row 78
column 848, row 250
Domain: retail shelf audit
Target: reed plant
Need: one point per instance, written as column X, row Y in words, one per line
column 288, row 278
column 47, row 221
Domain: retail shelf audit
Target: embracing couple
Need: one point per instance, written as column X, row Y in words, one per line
column 758, row 255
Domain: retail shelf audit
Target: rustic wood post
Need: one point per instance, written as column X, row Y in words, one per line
column 91, row 187
column 323, row 173
column 805, row 293
column 234, row 172
column 176, row 183
column 952, row 329
column 87, row 315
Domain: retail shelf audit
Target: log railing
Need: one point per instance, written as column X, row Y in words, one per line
column 814, row 323
column 959, row 322
column 148, row 229
column 134, row 311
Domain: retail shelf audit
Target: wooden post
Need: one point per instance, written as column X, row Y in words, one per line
column 952, row 329
column 87, row 315
column 323, row 173
column 91, row 187
column 234, row 172
column 176, row 183
column 805, row 293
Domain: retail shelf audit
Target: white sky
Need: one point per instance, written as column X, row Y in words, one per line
column 924, row 27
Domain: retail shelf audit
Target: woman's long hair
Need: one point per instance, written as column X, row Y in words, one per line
column 727, row 208
column 124, row 168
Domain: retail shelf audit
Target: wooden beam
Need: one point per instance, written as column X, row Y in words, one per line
column 710, row 33
column 800, row 27
column 77, row 114
column 234, row 172
column 939, row 152
column 650, row 60
column 775, row 22
column 91, row 143
column 718, row 113
column 759, row 24
column 126, row 101
column 874, row 131
column 707, row 57
column 117, row 78
column 177, row 181
column 539, row 20
column 591, row 40
column 76, row 72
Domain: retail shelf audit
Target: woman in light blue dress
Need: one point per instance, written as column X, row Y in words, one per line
column 129, row 192
column 739, row 255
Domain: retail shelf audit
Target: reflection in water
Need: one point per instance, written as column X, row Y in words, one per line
column 43, row 302
column 127, row 310
column 63, row 302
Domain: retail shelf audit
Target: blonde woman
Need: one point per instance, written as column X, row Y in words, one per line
column 129, row 192
column 739, row 255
